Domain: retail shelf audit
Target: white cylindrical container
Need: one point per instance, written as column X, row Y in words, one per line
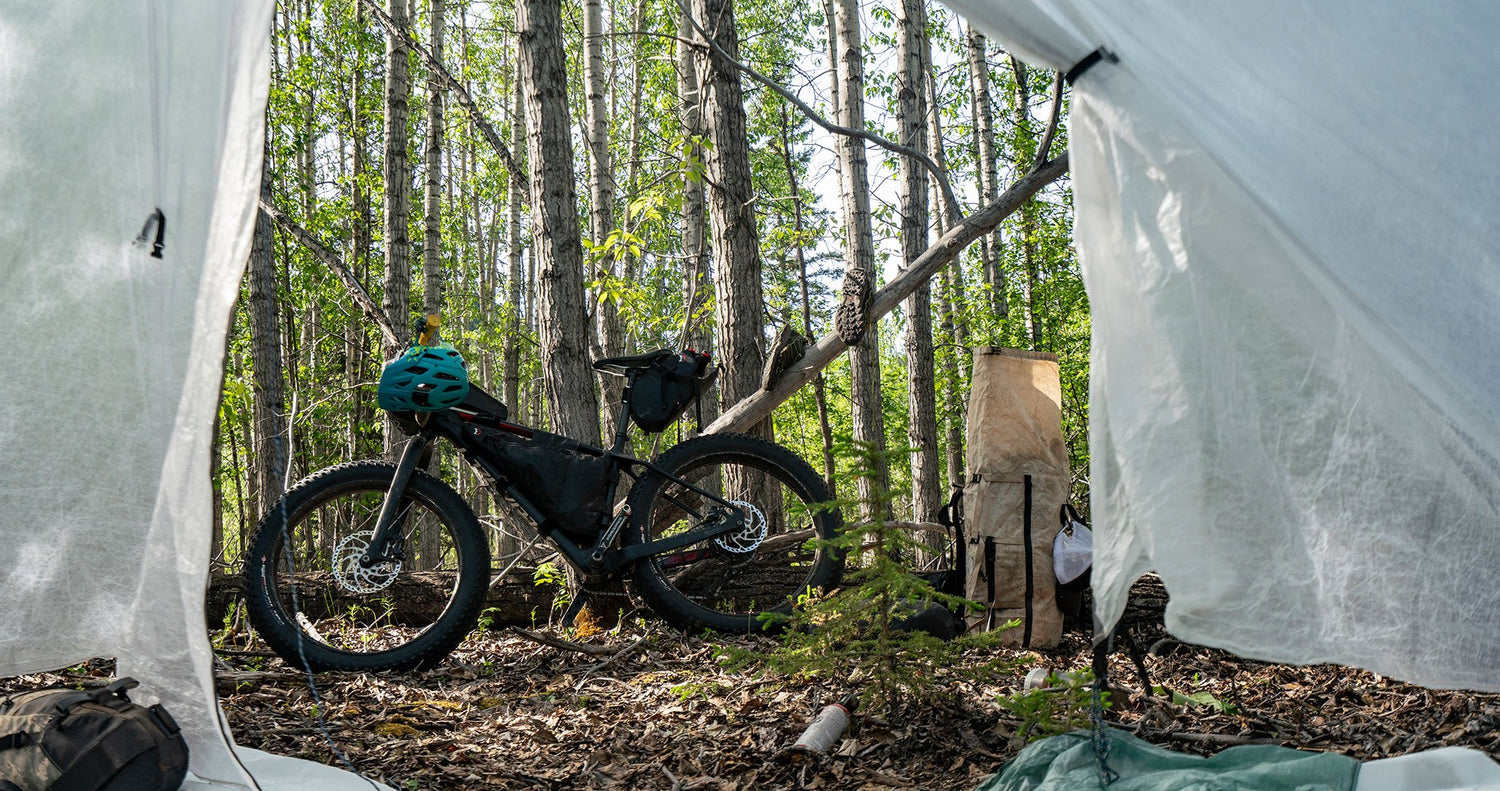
column 825, row 729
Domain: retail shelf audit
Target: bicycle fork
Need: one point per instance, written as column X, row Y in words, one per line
column 387, row 525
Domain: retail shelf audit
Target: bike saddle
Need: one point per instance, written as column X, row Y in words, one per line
column 620, row 365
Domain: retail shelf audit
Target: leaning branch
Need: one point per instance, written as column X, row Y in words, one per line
column 937, row 173
column 459, row 91
column 331, row 260
column 759, row 406
column 1044, row 148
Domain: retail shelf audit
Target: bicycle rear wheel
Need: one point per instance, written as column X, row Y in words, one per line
column 311, row 600
column 726, row 583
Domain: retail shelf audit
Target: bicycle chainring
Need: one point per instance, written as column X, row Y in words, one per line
column 356, row 578
column 747, row 538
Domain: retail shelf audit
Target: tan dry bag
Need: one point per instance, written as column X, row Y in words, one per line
column 1018, row 479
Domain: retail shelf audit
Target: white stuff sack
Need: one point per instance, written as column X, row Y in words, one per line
column 1073, row 549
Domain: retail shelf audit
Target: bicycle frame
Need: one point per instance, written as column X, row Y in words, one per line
column 600, row 559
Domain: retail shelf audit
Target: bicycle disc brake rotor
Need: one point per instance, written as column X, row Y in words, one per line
column 747, row 538
column 356, row 578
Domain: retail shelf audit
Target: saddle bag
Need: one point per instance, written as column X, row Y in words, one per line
column 88, row 740
column 660, row 394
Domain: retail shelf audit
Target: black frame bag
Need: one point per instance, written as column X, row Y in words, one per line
column 88, row 740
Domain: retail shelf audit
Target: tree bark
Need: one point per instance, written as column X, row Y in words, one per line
column 954, row 327
column 271, row 454
column 864, row 358
column 514, row 325
column 991, row 264
column 397, row 301
column 911, row 118
column 432, row 222
column 1025, row 139
column 602, row 202
column 694, row 208
column 429, row 552
column 557, row 248
column 731, row 209
column 361, row 413
column 944, row 251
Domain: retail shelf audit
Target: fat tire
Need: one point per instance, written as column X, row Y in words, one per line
column 429, row 648
column 673, row 605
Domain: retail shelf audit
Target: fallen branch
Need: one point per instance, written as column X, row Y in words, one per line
column 619, row 655
column 565, row 645
column 331, row 260
column 758, row 406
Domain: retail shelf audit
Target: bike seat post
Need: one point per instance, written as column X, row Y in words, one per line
column 622, row 429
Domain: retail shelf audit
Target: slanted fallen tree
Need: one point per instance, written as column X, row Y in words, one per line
column 757, row 407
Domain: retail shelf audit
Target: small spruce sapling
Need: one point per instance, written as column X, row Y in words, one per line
column 852, row 634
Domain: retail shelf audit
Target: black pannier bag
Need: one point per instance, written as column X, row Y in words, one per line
column 567, row 485
column 88, row 740
column 660, row 394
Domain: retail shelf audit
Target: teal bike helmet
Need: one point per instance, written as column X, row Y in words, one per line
column 424, row 379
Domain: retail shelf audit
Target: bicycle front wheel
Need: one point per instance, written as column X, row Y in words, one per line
column 312, row 600
column 726, row 583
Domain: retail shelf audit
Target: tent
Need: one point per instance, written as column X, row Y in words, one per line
column 1285, row 218
column 131, row 137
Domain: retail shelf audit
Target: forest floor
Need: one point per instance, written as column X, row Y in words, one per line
column 648, row 708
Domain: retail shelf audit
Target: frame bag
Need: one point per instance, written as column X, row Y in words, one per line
column 88, row 740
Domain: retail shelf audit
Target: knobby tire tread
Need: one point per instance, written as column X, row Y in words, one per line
column 429, row 648
column 676, row 607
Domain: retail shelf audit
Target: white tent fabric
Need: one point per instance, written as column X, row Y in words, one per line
column 1286, row 220
column 113, row 358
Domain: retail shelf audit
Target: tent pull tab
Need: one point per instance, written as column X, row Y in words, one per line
column 1072, row 75
column 158, row 220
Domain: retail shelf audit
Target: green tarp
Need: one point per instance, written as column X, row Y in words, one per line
column 1067, row 763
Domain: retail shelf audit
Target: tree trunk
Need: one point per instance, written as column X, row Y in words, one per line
column 271, row 453
column 991, row 263
column 731, row 211
column 562, row 324
column 601, row 200
column 355, row 336
column 1025, row 141
column 819, row 396
column 864, row 358
column 429, row 552
column 397, row 302
column 954, row 327
column 911, row 118
column 694, row 208
column 432, row 221
column 514, row 325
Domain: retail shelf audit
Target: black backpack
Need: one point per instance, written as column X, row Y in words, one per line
column 88, row 740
